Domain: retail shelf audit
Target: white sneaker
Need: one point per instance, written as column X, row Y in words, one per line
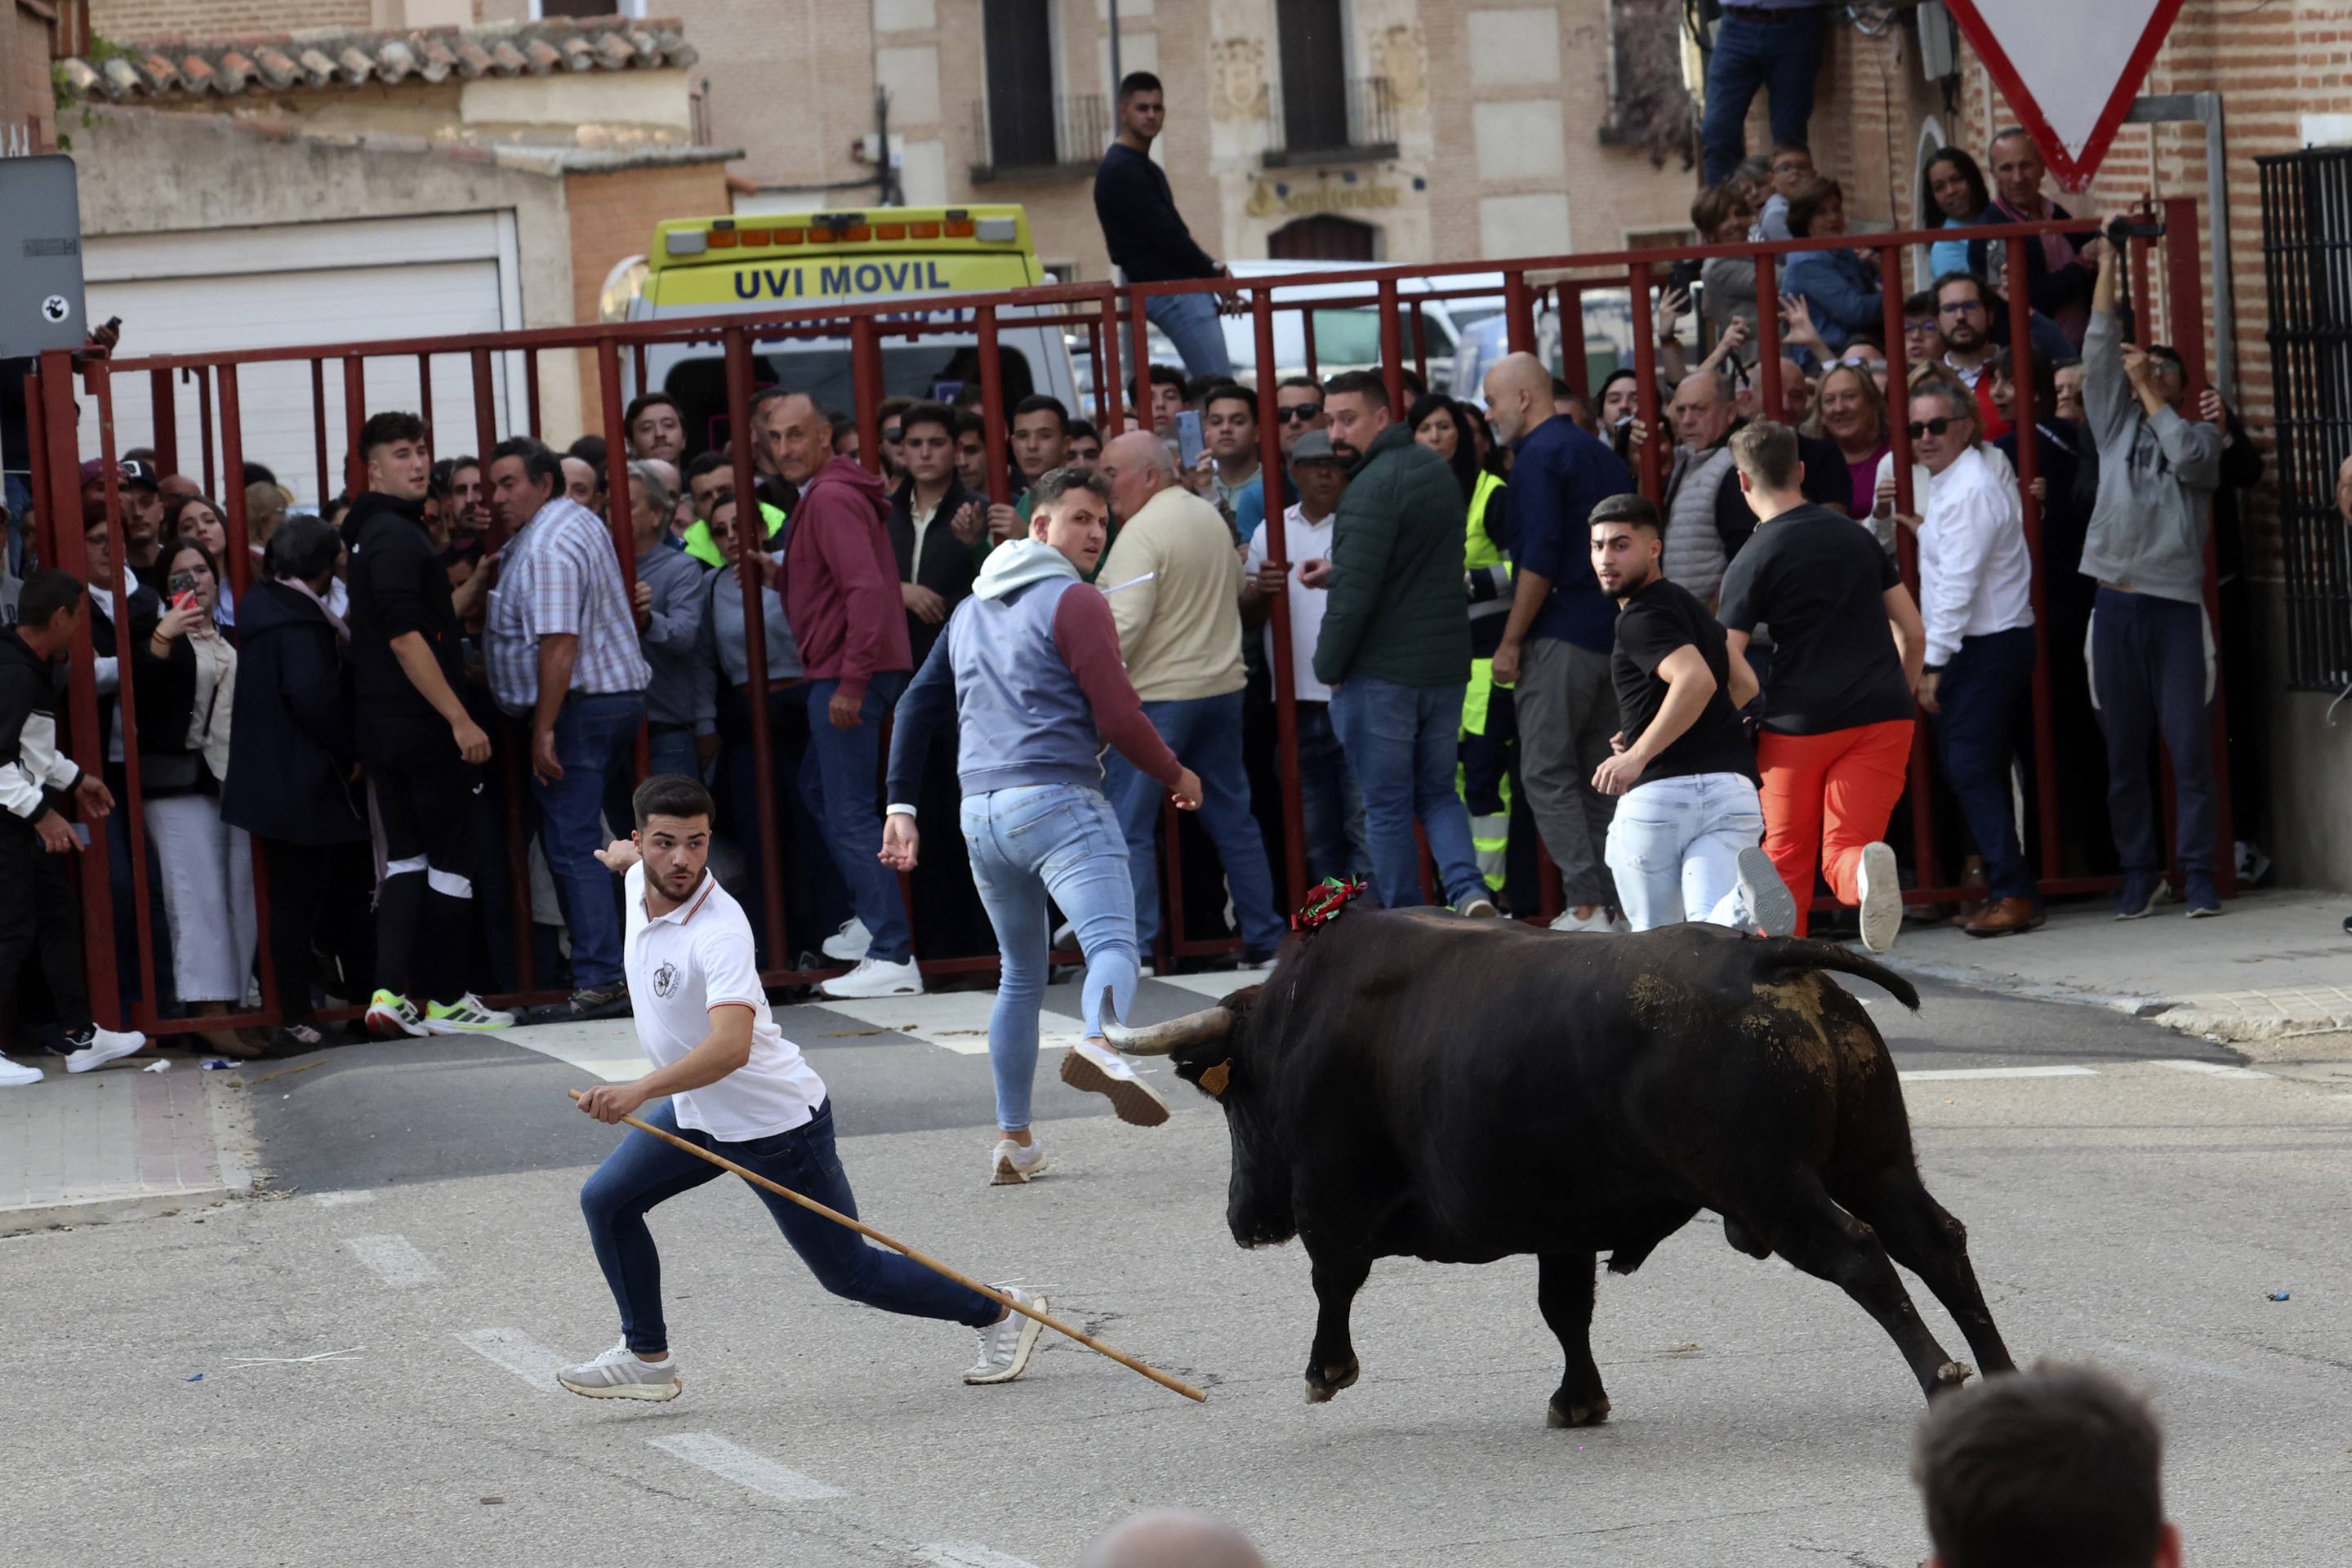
column 619, row 1375
column 1570, row 921
column 101, row 1047
column 15, row 1076
column 1098, row 1069
column 1771, row 909
column 1008, row 1168
column 1005, row 1347
column 1478, row 909
column 850, row 943
column 1882, row 898
column 876, row 977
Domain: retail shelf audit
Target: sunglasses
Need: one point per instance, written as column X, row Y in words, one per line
column 1930, row 426
column 1299, row 413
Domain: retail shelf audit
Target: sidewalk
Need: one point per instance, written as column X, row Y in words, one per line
column 120, row 1142
column 2276, row 965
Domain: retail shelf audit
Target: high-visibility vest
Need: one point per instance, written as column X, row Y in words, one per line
column 1481, row 549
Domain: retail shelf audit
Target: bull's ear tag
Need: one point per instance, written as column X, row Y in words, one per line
column 1214, row 1079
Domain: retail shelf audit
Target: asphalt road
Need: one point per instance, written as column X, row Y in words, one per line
column 372, row 1344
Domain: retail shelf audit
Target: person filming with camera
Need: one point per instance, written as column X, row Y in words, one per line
column 2158, row 472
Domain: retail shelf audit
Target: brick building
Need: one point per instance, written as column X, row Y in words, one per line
column 2284, row 74
column 31, row 33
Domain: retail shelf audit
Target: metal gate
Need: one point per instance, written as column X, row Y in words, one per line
column 2308, row 262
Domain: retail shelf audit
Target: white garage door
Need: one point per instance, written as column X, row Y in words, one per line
column 300, row 284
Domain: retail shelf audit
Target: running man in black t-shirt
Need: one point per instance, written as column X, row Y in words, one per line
column 1682, row 844
column 1847, row 649
column 423, row 751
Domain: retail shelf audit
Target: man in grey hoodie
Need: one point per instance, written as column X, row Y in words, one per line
column 1027, row 676
column 2149, row 669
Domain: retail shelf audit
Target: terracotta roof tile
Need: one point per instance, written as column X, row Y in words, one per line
column 158, row 69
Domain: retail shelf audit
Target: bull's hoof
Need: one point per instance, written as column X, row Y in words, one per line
column 1323, row 1382
column 1949, row 1376
column 1591, row 1413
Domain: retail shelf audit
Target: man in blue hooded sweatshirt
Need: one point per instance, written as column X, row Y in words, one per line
column 1028, row 673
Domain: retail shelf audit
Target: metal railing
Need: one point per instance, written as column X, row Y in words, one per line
column 1064, row 134
column 1111, row 322
column 1350, row 116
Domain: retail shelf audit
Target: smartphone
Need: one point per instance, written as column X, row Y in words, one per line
column 183, row 599
column 1188, row 438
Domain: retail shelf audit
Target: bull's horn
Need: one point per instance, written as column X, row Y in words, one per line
column 1164, row 1039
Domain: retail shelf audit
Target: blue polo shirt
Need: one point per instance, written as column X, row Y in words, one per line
column 1559, row 475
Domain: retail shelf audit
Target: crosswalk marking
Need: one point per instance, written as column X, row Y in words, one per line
column 733, row 1462
column 394, row 1260
column 967, row 1555
column 520, row 1354
column 952, row 1020
column 602, row 1047
column 2212, row 1070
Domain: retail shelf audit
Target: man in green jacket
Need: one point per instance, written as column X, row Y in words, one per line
column 1395, row 645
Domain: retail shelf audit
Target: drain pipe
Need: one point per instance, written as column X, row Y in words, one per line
column 2205, row 108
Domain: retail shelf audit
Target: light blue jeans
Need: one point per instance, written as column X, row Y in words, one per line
column 1026, row 844
column 1674, row 847
column 1191, row 322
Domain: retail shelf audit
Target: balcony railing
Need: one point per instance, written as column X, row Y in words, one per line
column 1353, row 120
column 1045, row 137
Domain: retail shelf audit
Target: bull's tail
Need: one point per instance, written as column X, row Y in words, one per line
column 1804, row 953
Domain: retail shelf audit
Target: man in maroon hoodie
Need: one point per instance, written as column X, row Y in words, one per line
column 840, row 594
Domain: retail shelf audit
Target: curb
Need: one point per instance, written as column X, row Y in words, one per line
column 31, row 1221
column 2233, row 1023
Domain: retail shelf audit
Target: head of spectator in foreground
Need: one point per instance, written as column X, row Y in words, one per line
column 2171, row 372
column 705, row 476
column 1319, row 474
column 589, row 449
column 2004, row 382
column 1085, row 443
column 1568, row 405
column 1721, row 214
column 1817, row 209
column 1796, row 393
column 654, row 426
column 1771, row 475
column 1171, row 1538
column 51, row 606
column 795, row 433
column 1356, row 408
column 1136, row 467
column 1069, row 509
column 1922, row 336
column 2017, row 170
column 399, row 463
column 1964, row 307
column 1850, row 409
column 170, row 486
column 1041, row 436
column 1943, row 424
column 887, row 421
column 971, row 453
column 1958, row 185
column 1167, row 400
column 188, row 567
column 1752, row 177
column 1865, row 354
column 1483, row 446
column 1791, row 167
column 2066, row 383
column 2060, row 1466
column 1142, row 109
column 652, row 498
column 305, row 552
column 1701, row 410
column 196, row 518
column 458, row 483
column 672, row 834
column 1518, row 397
column 1298, row 408
column 524, row 476
column 927, row 445
column 1629, row 537
column 580, row 480
column 1620, row 397
column 1437, row 424
column 723, row 531
column 844, row 434
column 1229, row 424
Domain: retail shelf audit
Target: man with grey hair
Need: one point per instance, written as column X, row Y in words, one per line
column 1976, row 596
column 1701, row 535
column 1171, row 1538
column 669, row 612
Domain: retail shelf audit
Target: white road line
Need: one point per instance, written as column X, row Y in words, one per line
column 952, row 1020
column 337, row 1200
column 744, row 1468
column 520, row 1354
column 965, row 1554
column 2212, row 1070
column 602, row 1047
column 394, row 1261
column 1950, row 1075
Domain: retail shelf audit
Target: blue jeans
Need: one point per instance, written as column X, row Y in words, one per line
column 1191, row 322
column 17, row 491
column 1330, row 811
column 1674, row 848
column 1783, row 56
column 669, row 748
column 1985, row 691
column 595, row 741
column 2148, row 674
column 644, row 1171
column 841, row 781
column 1060, row 841
column 1205, row 733
column 1401, row 742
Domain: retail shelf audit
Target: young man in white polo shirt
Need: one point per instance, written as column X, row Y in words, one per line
column 734, row 1084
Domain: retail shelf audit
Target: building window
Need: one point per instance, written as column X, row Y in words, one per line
column 1323, row 238
column 1322, row 113
column 1024, row 128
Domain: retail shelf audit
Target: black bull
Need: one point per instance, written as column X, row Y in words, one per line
column 1411, row 1084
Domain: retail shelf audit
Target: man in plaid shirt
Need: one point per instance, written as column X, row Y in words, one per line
column 560, row 649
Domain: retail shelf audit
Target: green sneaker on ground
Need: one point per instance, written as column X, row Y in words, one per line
column 468, row 1015
column 390, row 1017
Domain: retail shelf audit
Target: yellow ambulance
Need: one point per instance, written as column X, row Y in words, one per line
column 770, row 262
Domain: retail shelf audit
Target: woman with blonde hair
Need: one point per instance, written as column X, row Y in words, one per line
column 1850, row 410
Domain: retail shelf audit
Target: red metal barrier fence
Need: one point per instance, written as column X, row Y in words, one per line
column 1102, row 311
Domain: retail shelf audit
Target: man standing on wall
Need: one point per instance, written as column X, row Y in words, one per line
column 1149, row 242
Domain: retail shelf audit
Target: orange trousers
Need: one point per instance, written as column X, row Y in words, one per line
column 1825, row 797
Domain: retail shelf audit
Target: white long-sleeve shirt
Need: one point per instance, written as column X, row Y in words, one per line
column 1975, row 577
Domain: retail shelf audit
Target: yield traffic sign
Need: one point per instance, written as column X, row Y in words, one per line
column 2069, row 69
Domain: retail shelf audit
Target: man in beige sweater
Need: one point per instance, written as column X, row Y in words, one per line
column 1175, row 582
